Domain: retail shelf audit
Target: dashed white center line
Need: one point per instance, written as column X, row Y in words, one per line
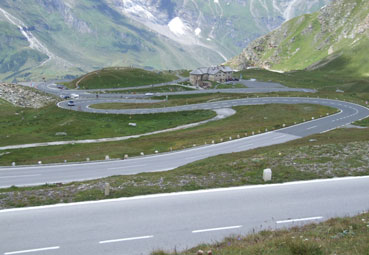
column 126, row 239
column 311, row 127
column 299, row 220
column 33, row 250
column 216, row 229
column 278, row 137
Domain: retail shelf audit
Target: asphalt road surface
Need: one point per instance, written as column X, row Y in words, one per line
column 33, row 175
column 139, row 225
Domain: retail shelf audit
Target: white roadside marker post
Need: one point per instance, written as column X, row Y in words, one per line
column 107, row 189
column 267, row 175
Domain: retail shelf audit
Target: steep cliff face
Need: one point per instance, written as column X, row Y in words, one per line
column 311, row 41
column 59, row 37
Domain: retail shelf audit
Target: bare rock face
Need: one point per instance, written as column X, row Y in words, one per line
column 23, row 96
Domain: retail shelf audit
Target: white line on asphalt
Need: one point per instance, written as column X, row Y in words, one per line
column 126, row 239
column 216, row 229
column 299, row 220
column 278, row 137
column 20, row 176
column 33, row 250
column 123, row 167
column 311, row 127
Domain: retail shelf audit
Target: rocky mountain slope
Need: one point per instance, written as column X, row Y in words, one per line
column 59, row 37
column 24, row 96
column 334, row 37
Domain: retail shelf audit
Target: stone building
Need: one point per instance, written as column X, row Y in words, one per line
column 205, row 75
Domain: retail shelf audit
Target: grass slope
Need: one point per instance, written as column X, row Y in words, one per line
column 24, row 125
column 120, row 78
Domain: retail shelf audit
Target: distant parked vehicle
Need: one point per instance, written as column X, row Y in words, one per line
column 149, row 94
column 74, row 96
column 71, row 103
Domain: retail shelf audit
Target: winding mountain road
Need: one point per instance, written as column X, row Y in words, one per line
column 33, row 175
column 138, row 225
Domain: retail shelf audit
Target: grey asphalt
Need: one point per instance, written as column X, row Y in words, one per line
column 33, row 175
column 252, row 87
column 181, row 220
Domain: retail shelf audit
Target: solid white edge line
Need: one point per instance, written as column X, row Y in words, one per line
column 33, row 250
column 19, row 176
column 215, row 229
column 185, row 193
column 125, row 239
column 299, row 220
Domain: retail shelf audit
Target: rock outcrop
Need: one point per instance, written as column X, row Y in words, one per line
column 23, row 96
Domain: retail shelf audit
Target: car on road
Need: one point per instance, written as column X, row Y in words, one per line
column 59, row 86
column 64, row 96
column 71, row 103
column 149, row 94
column 74, row 96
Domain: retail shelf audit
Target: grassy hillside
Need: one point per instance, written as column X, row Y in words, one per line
column 348, row 62
column 24, row 125
column 120, row 78
column 337, row 32
column 14, row 53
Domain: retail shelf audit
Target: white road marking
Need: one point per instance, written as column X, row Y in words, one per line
column 299, row 220
column 311, row 127
column 20, row 176
column 123, row 167
column 33, row 250
column 126, row 239
column 278, row 137
column 215, row 229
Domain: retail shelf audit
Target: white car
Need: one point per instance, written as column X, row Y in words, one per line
column 149, row 94
column 74, row 96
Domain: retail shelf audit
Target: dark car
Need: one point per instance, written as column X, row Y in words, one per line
column 64, row 96
column 71, row 103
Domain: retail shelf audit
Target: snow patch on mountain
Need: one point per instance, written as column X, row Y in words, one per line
column 198, row 31
column 177, row 26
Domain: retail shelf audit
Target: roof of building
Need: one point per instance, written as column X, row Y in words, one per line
column 211, row 70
